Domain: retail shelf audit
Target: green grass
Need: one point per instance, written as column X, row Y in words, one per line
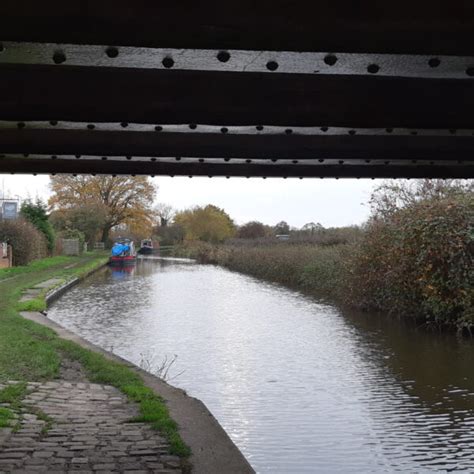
column 31, row 352
column 11, row 395
column 37, row 265
column 6, row 417
column 36, row 304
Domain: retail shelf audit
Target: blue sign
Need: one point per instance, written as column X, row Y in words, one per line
column 10, row 210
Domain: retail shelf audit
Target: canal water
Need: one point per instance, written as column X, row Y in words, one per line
column 299, row 386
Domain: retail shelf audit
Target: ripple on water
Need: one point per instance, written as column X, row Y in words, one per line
column 298, row 386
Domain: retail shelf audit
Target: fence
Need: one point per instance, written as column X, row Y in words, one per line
column 71, row 247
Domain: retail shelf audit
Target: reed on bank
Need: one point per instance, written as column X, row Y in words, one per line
column 413, row 258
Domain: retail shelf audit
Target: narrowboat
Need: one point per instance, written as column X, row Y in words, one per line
column 146, row 247
column 123, row 253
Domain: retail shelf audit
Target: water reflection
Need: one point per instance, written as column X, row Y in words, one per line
column 297, row 385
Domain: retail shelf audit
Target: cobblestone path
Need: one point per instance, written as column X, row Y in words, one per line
column 81, row 428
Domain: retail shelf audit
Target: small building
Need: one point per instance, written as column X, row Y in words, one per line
column 282, row 237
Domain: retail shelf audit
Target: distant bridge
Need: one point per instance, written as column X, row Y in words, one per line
column 267, row 88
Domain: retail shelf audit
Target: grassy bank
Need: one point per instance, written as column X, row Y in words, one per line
column 315, row 269
column 31, row 352
column 413, row 260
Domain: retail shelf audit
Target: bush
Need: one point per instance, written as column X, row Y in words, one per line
column 414, row 257
column 27, row 241
column 37, row 215
column 418, row 261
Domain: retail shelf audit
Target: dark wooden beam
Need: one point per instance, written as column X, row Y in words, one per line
column 216, row 145
column 83, row 166
column 225, row 98
column 439, row 27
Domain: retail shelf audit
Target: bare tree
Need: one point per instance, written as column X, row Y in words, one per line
column 165, row 213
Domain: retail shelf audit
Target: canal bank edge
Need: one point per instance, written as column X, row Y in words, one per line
column 213, row 452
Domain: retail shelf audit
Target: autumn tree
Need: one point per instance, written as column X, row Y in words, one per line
column 123, row 199
column 89, row 219
column 209, row 223
column 252, row 230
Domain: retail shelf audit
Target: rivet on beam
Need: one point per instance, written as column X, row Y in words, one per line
column 112, row 52
column 272, row 65
column 373, row 68
column 168, row 62
column 59, row 57
column 223, row 56
column 330, row 59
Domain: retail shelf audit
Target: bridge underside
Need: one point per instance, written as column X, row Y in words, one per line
column 268, row 88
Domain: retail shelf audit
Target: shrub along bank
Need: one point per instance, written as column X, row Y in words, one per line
column 414, row 258
column 27, row 241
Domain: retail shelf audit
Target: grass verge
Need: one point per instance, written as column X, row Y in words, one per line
column 31, row 352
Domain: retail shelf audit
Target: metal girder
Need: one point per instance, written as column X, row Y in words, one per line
column 266, row 89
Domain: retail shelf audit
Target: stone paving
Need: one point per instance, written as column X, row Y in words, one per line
column 31, row 293
column 81, row 428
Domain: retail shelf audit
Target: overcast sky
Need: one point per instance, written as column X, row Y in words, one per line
column 330, row 202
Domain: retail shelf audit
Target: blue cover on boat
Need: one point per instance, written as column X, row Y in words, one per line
column 118, row 249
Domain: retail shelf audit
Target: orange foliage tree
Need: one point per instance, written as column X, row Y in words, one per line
column 124, row 200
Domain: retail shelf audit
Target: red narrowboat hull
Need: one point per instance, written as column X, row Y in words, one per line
column 118, row 261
